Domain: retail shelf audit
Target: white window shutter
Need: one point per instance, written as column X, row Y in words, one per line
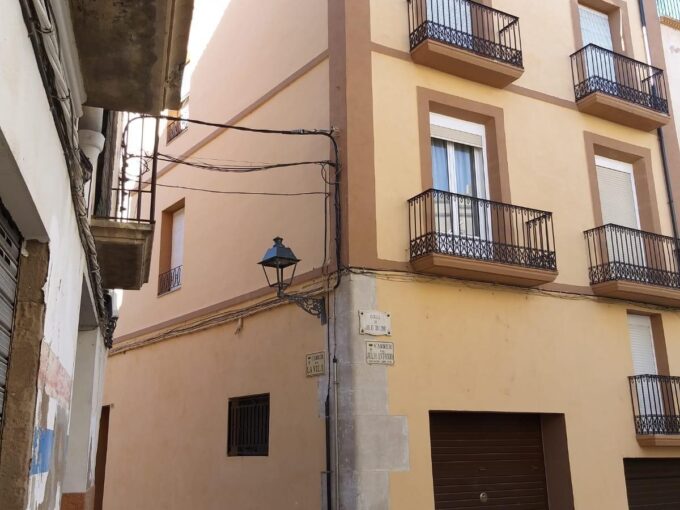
column 617, row 197
column 177, row 249
column 595, row 28
column 642, row 344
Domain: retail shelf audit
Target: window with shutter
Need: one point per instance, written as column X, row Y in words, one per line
column 642, row 344
column 617, row 192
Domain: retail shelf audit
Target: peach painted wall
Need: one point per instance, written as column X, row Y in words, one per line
column 168, row 422
column 250, row 54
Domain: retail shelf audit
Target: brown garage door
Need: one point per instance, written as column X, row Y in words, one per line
column 653, row 483
column 487, row 460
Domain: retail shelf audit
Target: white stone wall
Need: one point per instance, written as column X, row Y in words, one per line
column 34, row 186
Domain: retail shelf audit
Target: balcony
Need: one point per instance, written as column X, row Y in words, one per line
column 631, row 264
column 669, row 12
column 132, row 54
column 123, row 219
column 620, row 89
column 170, row 280
column 467, row 39
column 475, row 239
column 656, row 408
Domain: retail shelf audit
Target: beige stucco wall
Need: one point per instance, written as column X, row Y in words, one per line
column 462, row 346
column 168, row 422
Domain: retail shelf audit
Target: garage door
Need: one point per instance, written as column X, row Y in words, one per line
column 653, row 483
column 487, row 460
column 10, row 243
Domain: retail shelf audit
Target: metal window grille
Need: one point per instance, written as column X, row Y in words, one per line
column 248, row 426
column 463, row 226
column 656, row 404
column 596, row 69
column 468, row 25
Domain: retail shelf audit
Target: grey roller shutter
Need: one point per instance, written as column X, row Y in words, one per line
column 10, row 248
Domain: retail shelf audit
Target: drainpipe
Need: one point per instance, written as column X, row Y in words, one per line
column 662, row 142
column 91, row 142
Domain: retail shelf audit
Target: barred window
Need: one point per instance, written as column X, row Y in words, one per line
column 248, row 426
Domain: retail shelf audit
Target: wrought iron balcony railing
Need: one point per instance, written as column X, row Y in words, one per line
column 656, row 404
column 462, row 226
column 175, row 128
column 669, row 9
column 622, row 253
column 170, row 280
column 467, row 25
column 127, row 190
column 595, row 69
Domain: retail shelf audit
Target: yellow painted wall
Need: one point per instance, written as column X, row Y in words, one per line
column 168, row 422
column 466, row 347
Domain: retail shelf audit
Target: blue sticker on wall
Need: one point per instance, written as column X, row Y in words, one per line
column 43, row 441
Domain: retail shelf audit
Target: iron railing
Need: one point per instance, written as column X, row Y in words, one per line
column 248, row 426
column 669, row 9
column 656, row 404
column 596, row 69
column 130, row 193
column 170, row 280
column 175, row 128
column 463, row 226
column 468, row 25
column 622, row 253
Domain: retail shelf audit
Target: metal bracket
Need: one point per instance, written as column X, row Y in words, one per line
column 315, row 306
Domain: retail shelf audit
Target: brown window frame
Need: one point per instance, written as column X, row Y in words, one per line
column 641, row 159
column 257, row 444
column 619, row 23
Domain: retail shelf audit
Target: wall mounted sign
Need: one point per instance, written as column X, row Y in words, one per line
column 316, row 364
column 380, row 353
column 373, row 322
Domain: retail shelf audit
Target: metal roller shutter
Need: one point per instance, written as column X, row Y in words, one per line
column 653, row 483
column 10, row 248
column 487, row 460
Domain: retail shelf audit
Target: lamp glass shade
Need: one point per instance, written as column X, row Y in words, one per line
column 278, row 258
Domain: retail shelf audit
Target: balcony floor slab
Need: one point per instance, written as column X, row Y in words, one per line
column 622, row 112
column 123, row 252
column 464, row 63
column 658, row 440
column 483, row 271
column 634, row 291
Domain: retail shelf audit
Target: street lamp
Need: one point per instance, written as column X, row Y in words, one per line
column 277, row 262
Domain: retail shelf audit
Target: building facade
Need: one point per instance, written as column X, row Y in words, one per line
column 66, row 71
column 502, row 305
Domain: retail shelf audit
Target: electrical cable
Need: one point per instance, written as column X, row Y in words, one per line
column 262, row 193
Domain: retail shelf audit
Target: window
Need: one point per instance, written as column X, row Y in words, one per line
column 171, row 249
column 248, row 426
column 458, row 166
column 616, row 182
